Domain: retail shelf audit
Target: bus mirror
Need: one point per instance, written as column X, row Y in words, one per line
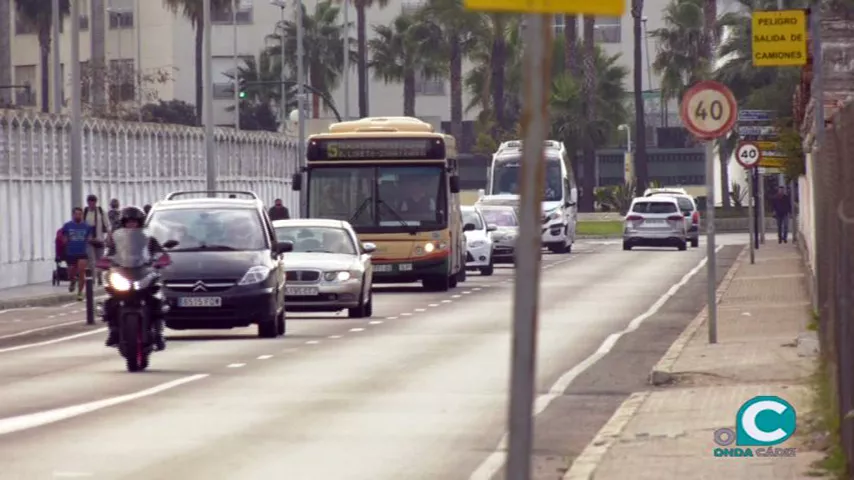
column 296, row 182
column 573, row 195
column 455, row 184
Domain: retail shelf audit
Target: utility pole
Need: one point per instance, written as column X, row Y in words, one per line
column 207, row 109
column 56, row 65
column 76, row 114
column 346, row 60
column 301, row 105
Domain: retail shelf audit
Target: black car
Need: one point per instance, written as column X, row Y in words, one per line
column 227, row 269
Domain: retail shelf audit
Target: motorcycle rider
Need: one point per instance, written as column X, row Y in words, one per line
column 134, row 217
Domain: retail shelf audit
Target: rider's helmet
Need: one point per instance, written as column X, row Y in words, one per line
column 132, row 213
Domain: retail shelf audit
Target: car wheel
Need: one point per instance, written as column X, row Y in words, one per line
column 627, row 246
column 280, row 323
column 682, row 246
column 488, row 270
column 268, row 328
column 695, row 242
column 364, row 309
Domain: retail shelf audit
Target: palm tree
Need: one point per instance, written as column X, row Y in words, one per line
column 323, row 44
column 500, row 24
column 403, row 50
column 38, row 15
column 588, row 92
column 570, row 35
column 97, row 39
column 680, row 60
column 461, row 28
column 479, row 80
column 5, row 53
column 641, row 173
column 192, row 11
column 362, row 45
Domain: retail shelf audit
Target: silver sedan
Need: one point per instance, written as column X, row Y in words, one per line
column 328, row 270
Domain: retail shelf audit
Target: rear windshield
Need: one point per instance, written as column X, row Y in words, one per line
column 685, row 203
column 654, row 207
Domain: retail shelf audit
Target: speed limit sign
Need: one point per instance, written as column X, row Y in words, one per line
column 748, row 154
column 708, row 110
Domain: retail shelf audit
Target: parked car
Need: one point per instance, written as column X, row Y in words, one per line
column 329, row 269
column 227, row 269
column 506, row 231
column 655, row 221
column 692, row 215
column 478, row 242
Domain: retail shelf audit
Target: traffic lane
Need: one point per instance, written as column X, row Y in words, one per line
column 36, row 378
column 417, row 398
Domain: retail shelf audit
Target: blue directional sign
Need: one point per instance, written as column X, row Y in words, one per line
column 756, row 115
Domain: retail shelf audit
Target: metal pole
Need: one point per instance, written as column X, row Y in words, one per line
column 138, row 21
column 56, row 64
column 817, row 73
column 751, row 216
column 236, row 67
column 283, row 104
column 346, row 60
column 76, row 120
column 526, row 293
column 711, row 264
column 648, row 65
column 207, row 110
column 761, row 204
column 754, row 185
column 303, row 198
column 90, row 295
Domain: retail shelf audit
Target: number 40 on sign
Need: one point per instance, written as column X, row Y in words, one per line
column 709, row 110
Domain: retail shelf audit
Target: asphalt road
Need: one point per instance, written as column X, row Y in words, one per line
column 418, row 391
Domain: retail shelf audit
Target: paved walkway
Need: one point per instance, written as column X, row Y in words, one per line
column 37, row 295
column 667, row 432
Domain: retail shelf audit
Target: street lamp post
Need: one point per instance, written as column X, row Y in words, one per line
column 55, row 64
column 207, row 109
column 76, row 120
column 301, row 104
column 283, row 105
column 236, row 66
column 346, row 59
column 137, row 17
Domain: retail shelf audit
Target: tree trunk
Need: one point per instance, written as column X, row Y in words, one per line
column 200, row 36
column 409, row 94
column 570, row 52
column 456, row 75
column 497, row 65
column 641, row 172
column 98, row 62
column 5, row 53
column 588, row 95
column 44, row 50
column 362, row 66
column 710, row 16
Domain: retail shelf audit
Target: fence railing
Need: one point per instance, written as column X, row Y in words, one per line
column 134, row 163
column 833, row 217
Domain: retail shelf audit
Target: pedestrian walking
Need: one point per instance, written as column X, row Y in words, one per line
column 279, row 211
column 94, row 215
column 76, row 235
column 114, row 214
column 782, row 212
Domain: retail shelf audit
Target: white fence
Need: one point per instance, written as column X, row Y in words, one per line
column 132, row 162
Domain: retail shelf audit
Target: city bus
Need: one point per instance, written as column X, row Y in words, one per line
column 395, row 180
column 560, row 199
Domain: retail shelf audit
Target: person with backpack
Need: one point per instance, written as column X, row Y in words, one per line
column 94, row 215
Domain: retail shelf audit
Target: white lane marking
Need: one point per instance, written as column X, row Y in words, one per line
column 39, row 329
column 32, row 420
column 476, row 289
column 496, row 459
column 51, row 316
column 447, row 301
column 391, row 318
column 71, row 474
column 51, row 342
column 63, row 314
column 312, row 342
column 264, row 357
column 456, row 296
column 407, row 314
column 420, row 310
column 375, row 322
column 236, row 365
column 335, row 336
column 433, row 305
column 466, row 292
column 357, row 329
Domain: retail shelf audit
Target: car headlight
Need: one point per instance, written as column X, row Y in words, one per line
column 477, row 243
column 255, row 275
column 340, row 276
column 553, row 215
column 118, row 282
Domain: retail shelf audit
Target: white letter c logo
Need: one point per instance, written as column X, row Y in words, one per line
column 748, row 421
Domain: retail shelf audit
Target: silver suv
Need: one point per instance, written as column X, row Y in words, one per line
column 655, row 221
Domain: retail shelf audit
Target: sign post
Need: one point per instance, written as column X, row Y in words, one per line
column 709, row 111
column 749, row 156
column 538, row 33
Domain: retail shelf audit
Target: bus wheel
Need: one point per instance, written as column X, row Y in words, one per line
column 453, row 280
column 462, row 274
column 437, row 284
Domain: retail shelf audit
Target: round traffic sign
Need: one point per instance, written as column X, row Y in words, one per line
column 708, row 110
column 748, row 155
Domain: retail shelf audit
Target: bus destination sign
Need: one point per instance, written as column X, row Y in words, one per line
column 376, row 149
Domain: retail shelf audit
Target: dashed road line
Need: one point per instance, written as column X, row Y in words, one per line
column 357, row 329
column 433, row 305
column 335, row 336
column 264, row 357
column 312, row 342
column 375, row 322
column 420, row 310
column 407, row 314
column 236, row 365
column 391, row 318
column 447, row 301
column 456, row 296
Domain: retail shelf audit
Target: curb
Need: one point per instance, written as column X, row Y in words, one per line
column 585, row 464
column 51, row 300
column 662, row 372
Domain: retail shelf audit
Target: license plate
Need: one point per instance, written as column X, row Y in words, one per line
column 653, row 220
column 382, row 268
column 301, row 291
column 405, row 267
column 200, row 302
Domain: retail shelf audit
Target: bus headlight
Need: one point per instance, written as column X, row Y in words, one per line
column 429, row 248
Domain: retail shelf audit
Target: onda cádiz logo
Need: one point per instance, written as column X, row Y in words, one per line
column 761, row 423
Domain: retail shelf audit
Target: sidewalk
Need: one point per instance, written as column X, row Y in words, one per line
column 38, row 295
column 668, row 431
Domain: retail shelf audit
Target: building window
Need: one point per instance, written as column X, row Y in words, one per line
column 122, row 85
column 22, row 25
column 429, row 86
column 121, row 20
column 25, row 75
column 608, row 30
column 83, row 19
column 225, row 16
column 85, row 82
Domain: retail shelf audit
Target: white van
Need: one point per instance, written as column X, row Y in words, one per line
column 560, row 201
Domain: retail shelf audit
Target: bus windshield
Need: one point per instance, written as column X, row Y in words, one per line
column 506, row 175
column 380, row 198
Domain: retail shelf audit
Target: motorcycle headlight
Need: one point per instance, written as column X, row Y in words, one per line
column 118, row 282
column 477, row 243
column 255, row 275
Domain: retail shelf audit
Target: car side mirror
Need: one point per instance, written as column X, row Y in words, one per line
column 455, row 183
column 469, row 227
column 170, row 244
column 369, row 247
column 573, row 196
column 296, row 182
column 284, row 247
column 491, row 228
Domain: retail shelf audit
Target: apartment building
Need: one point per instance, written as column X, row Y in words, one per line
column 145, row 36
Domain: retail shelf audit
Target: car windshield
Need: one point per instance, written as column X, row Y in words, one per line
column 470, row 216
column 227, row 229
column 317, row 239
column 503, row 217
column 654, row 207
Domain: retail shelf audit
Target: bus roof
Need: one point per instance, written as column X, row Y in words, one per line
column 379, row 127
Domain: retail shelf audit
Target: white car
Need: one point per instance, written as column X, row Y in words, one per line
column 507, row 231
column 478, row 241
column 655, row 221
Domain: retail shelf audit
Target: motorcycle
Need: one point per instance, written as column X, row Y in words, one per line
column 133, row 280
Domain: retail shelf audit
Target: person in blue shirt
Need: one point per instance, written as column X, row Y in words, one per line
column 76, row 234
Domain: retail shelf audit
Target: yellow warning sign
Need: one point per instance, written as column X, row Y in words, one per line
column 772, row 162
column 613, row 8
column 779, row 38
